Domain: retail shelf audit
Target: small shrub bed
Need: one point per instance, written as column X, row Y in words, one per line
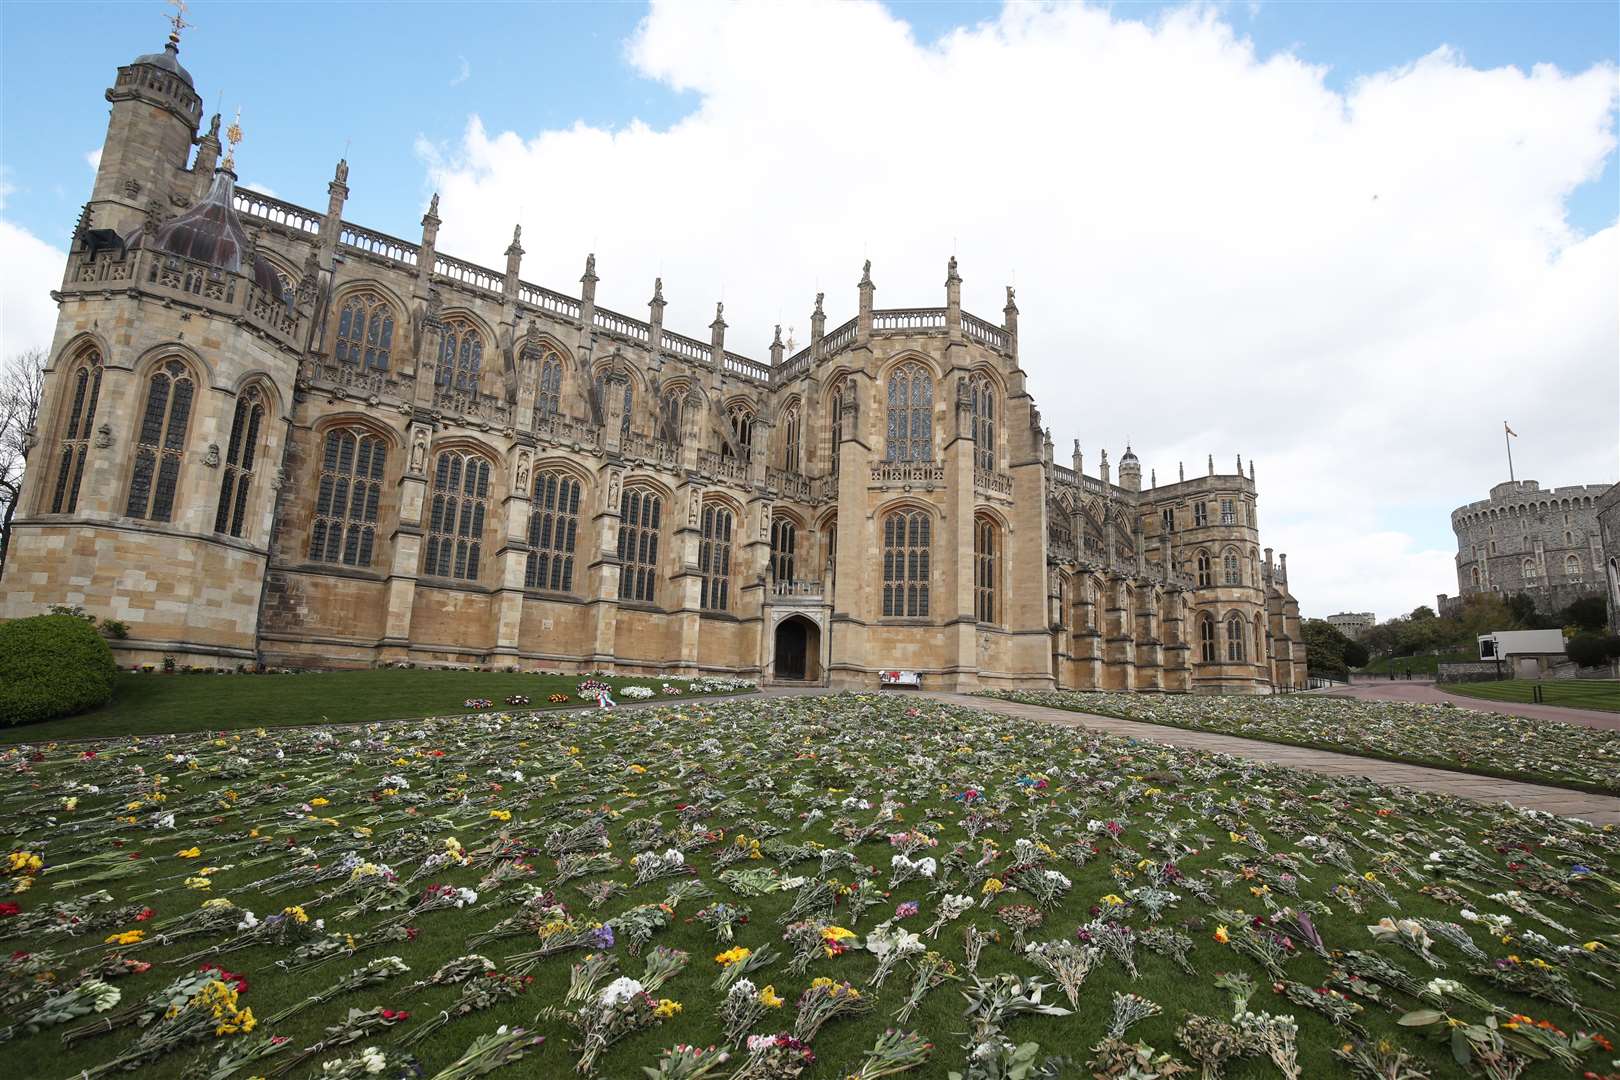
column 52, row 665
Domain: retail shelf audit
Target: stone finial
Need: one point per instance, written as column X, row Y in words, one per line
column 658, row 290
column 516, row 247
column 820, row 296
column 1240, row 464
column 777, row 339
column 590, row 270
column 340, row 175
column 951, row 276
column 432, row 210
column 1212, row 464
column 1181, row 470
column 777, row 348
column 866, row 275
column 720, row 316
column 1251, row 470
column 1153, row 477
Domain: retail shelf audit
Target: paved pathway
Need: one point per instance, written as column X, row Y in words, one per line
column 1602, row 810
column 1428, row 693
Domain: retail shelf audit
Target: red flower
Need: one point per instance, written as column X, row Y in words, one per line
column 146, row 913
column 9, row 909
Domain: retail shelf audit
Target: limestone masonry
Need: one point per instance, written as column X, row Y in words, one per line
column 273, row 436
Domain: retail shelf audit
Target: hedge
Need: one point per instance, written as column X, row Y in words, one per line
column 52, row 665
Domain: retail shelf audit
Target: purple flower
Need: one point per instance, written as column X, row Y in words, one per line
column 602, row 937
column 906, row 910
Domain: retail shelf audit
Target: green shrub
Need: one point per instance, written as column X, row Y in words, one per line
column 115, row 628
column 52, row 665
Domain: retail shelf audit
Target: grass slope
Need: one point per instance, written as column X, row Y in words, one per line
column 1437, row 736
column 1600, row 694
column 811, row 776
column 150, row 704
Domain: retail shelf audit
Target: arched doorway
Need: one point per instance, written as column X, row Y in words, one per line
column 798, row 650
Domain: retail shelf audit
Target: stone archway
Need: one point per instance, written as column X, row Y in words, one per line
column 797, row 655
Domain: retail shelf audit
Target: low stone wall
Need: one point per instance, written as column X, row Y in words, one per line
column 1474, row 671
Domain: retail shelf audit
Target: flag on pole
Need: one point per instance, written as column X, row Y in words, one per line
column 1509, row 430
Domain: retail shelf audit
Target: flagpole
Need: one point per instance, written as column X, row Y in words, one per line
column 1506, row 431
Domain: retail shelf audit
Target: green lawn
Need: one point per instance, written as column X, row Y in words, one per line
column 1602, row 694
column 1417, row 665
column 1157, row 851
column 150, row 704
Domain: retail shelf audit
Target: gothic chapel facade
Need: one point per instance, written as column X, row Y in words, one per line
column 271, row 435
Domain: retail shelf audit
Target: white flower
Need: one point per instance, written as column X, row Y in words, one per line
column 619, row 991
column 926, row 867
column 249, row 921
column 373, row 1059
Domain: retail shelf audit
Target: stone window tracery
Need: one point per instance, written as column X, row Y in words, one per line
column 1529, row 569
column 1572, row 566
column 982, row 397
column 714, row 558
column 1206, row 637
column 602, row 387
column 640, row 518
column 160, row 441
column 553, row 532
column 1234, row 639
column 86, row 382
column 671, row 414
column 240, row 452
column 365, row 331
column 455, row 530
column 346, row 501
column 790, row 439
column 548, row 390
column 835, row 400
column 784, row 544
column 907, row 544
column 1232, row 567
column 1200, row 515
column 910, row 414
column 1203, row 570
column 461, row 356
column 742, row 430
column 984, row 570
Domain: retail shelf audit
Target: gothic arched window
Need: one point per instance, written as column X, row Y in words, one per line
column 742, row 430
column 1203, row 570
column 365, row 331
column 835, row 401
column 671, row 415
column 1206, row 637
column 982, row 393
column 907, row 542
column 984, row 570
column 159, row 443
column 1474, row 574
column 911, row 414
column 345, row 529
column 602, row 387
column 1529, row 569
column 548, row 390
column 714, row 558
column 553, row 530
column 455, row 532
column 784, row 542
column 238, row 465
column 1572, row 566
column 85, row 379
column 461, row 356
column 790, row 439
column 1234, row 639
column 640, row 517
column 1232, row 567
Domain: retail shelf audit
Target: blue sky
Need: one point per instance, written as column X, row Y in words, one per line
column 1340, row 276
column 372, row 76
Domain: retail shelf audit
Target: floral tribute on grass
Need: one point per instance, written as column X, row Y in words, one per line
column 1446, row 736
column 855, row 886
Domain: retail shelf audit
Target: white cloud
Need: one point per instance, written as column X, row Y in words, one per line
column 93, row 159
column 29, row 269
column 463, row 74
column 1214, row 252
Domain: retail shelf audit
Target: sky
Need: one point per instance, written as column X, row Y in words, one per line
column 1346, row 241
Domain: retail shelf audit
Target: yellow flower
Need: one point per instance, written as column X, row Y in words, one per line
column 1221, row 935
column 1113, row 901
column 1261, row 891
column 25, row 861
column 638, row 768
column 836, row 933
column 769, row 998
column 666, row 1008
column 1237, row 838
column 199, row 883
column 992, row 887
column 501, row 815
column 1369, row 876
column 128, row 937
column 732, row 956
column 296, row 914
column 216, row 902
column 1594, row 946
column 189, row 853
column 318, row 801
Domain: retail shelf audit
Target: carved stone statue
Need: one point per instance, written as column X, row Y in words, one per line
column 523, row 472
column 419, row 450
column 820, row 296
column 342, row 175
column 103, row 436
column 213, row 128
column 211, row 456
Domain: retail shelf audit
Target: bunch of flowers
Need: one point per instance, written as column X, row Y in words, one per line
column 637, row 925
column 1130, row 1009
column 450, row 973
column 670, row 691
column 477, row 994
column 1020, row 919
column 478, row 703
column 372, row 1063
column 906, row 869
column 744, row 1006
column 826, row 1000
column 891, row 944
column 1066, row 961
column 931, row 971
column 590, row 688
column 723, row 919
column 650, row 866
column 636, row 693
column 517, row 699
column 775, row 1057
column 211, row 1011
column 558, row 699
column 82, row 999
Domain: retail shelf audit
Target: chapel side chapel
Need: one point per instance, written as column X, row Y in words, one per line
column 270, row 435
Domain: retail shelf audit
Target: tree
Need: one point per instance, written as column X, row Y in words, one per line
column 1324, row 648
column 1589, row 650
column 1588, row 613
column 21, row 384
column 1356, row 654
